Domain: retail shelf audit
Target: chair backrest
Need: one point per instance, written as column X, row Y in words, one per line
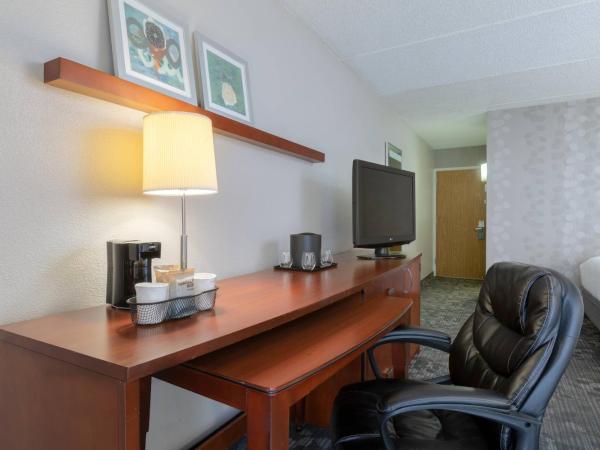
column 521, row 336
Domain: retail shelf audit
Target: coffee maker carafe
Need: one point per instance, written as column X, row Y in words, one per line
column 129, row 262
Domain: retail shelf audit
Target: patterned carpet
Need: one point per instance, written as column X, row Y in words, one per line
column 573, row 416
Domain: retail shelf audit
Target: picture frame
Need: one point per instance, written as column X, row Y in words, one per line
column 224, row 80
column 393, row 156
column 151, row 49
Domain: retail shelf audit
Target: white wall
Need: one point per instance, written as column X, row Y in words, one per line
column 459, row 157
column 70, row 173
column 543, row 185
column 417, row 156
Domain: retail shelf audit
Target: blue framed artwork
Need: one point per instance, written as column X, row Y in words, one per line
column 151, row 50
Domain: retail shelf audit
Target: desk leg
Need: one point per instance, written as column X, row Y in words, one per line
column 400, row 360
column 268, row 421
column 401, row 356
column 136, row 413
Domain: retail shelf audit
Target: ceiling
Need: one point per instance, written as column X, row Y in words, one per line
column 443, row 63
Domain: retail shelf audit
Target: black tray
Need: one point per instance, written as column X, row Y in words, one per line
column 299, row 269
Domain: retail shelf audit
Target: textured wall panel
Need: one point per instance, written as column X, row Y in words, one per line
column 543, row 185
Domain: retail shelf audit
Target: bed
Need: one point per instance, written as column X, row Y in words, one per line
column 590, row 287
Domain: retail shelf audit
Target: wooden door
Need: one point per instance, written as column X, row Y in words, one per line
column 460, row 206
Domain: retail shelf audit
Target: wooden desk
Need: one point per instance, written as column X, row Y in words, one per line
column 267, row 374
column 81, row 379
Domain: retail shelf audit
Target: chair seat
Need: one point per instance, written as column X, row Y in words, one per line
column 355, row 421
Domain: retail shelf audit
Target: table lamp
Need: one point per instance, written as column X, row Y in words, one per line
column 179, row 160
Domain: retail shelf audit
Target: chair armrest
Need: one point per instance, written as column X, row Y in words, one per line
column 412, row 335
column 430, row 396
column 484, row 403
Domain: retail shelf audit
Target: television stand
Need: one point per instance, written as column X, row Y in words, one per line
column 383, row 253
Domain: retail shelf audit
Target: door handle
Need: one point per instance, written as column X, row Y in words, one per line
column 480, row 233
column 480, row 230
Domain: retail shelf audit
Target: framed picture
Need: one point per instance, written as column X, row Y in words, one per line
column 151, row 50
column 224, row 79
column 393, row 156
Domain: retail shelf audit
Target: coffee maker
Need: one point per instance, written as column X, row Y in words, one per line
column 129, row 262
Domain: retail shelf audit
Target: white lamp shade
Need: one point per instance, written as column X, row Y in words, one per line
column 179, row 154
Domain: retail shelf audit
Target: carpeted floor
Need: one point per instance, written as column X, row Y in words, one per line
column 573, row 416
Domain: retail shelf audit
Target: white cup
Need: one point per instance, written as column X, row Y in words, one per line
column 148, row 314
column 151, row 292
column 204, row 282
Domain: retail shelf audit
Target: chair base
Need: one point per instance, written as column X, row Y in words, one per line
column 356, row 423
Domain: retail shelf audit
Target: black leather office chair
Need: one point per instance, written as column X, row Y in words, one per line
column 504, row 364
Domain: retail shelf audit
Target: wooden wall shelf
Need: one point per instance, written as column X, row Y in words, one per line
column 66, row 74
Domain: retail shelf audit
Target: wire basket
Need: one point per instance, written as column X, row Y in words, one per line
column 174, row 308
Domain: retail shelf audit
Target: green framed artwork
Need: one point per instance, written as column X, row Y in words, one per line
column 393, row 156
column 224, row 79
column 150, row 49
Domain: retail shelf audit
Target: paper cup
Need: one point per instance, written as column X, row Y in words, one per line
column 204, row 282
column 147, row 294
column 151, row 292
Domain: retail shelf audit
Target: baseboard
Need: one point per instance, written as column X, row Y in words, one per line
column 427, row 277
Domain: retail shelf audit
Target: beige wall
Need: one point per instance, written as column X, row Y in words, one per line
column 70, row 176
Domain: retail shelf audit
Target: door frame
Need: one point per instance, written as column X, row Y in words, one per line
column 435, row 172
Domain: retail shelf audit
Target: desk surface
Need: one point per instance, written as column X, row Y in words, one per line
column 279, row 358
column 103, row 339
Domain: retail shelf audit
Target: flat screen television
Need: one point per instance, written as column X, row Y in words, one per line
column 383, row 207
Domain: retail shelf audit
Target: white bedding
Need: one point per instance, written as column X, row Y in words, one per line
column 590, row 276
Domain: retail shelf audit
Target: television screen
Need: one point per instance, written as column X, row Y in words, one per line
column 383, row 205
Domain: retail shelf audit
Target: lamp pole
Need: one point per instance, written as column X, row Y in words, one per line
column 183, row 243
